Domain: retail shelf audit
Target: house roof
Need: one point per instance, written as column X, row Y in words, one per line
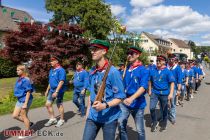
column 155, row 39
column 10, row 18
column 179, row 43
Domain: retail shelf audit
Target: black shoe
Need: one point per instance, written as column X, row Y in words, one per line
column 163, row 129
column 154, row 127
column 31, row 124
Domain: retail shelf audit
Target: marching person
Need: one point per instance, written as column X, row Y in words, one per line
column 55, row 91
column 177, row 72
column 195, row 70
column 161, row 88
column 190, row 81
column 23, row 91
column 103, row 114
column 80, row 82
column 185, row 78
column 136, row 84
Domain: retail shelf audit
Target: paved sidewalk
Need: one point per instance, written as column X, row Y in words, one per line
column 193, row 121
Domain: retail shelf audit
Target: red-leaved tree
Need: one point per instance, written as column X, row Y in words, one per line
column 35, row 43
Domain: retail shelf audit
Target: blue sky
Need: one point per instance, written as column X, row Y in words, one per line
column 182, row 19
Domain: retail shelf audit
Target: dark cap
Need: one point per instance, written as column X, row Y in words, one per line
column 161, row 57
column 135, row 49
column 121, row 64
column 100, row 44
column 53, row 57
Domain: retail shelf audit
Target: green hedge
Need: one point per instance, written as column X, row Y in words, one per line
column 7, row 68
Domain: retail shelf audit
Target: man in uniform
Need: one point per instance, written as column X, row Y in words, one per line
column 103, row 114
column 136, row 84
column 161, row 88
column 80, row 82
column 55, row 90
column 177, row 72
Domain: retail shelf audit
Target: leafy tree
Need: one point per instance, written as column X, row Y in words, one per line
column 92, row 15
column 35, row 44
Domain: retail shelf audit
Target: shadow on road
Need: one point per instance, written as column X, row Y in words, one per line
column 2, row 135
column 40, row 124
column 207, row 83
column 132, row 134
column 68, row 115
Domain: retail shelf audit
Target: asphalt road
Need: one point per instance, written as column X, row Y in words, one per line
column 193, row 122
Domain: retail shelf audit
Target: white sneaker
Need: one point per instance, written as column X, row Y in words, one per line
column 22, row 137
column 50, row 122
column 59, row 123
column 192, row 96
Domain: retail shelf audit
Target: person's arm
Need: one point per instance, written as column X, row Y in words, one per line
column 55, row 94
column 150, row 88
column 139, row 92
column 47, row 90
column 85, row 83
column 143, row 86
column 88, row 107
column 187, row 80
column 100, row 106
column 170, row 96
column 26, row 100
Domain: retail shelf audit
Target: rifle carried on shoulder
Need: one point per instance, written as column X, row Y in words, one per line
column 101, row 90
column 100, row 93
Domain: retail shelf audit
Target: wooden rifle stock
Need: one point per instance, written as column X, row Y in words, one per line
column 126, row 65
column 102, row 87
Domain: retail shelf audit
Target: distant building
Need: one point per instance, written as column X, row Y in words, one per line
column 180, row 46
column 152, row 43
column 9, row 19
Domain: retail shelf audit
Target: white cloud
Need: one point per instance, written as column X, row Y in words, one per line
column 180, row 19
column 117, row 9
column 207, row 36
column 169, row 34
column 144, row 3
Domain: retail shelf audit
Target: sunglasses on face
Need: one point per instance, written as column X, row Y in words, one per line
column 130, row 52
column 94, row 49
column 158, row 60
column 171, row 59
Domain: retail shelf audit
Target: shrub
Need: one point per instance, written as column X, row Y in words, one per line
column 7, row 68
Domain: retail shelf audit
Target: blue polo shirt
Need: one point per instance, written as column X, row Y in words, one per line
column 114, row 89
column 134, row 79
column 161, row 80
column 55, row 76
column 177, row 72
column 184, row 75
column 121, row 71
column 195, row 70
column 80, row 80
column 190, row 74
column 200, row 72
column 22, row 86
column 151, row 66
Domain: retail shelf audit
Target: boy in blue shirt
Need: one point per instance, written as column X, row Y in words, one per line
column 177, row 72
column 55, row 90
column 80, row 82
column 190, row 80
column 184, row 82
column 195, row 70
column 136, row 83
column 161, row 88
column 103, row 114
